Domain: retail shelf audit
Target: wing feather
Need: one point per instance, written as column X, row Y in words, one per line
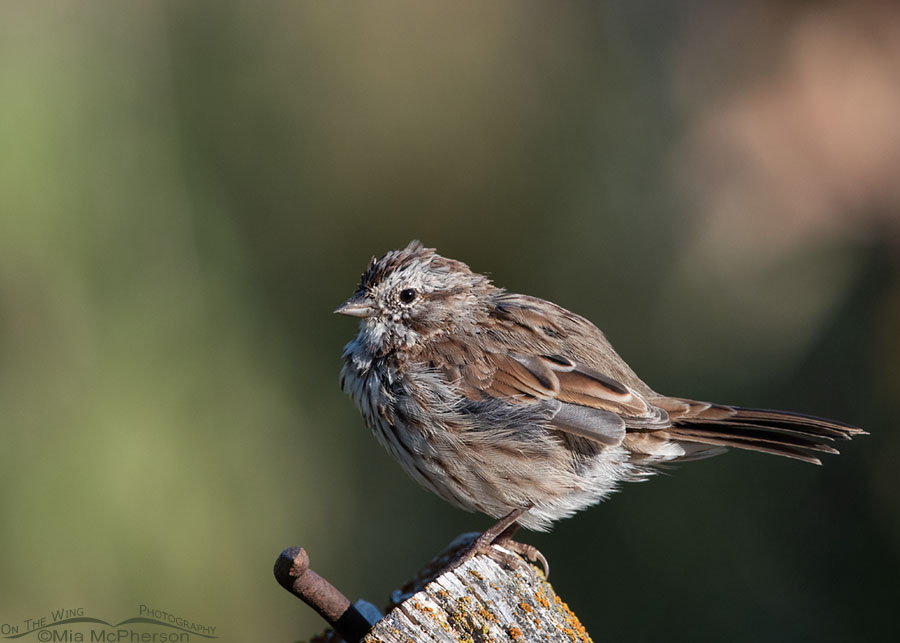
column 582, row 401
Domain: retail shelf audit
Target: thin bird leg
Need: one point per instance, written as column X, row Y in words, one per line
column 498, row 531
column 501, row 534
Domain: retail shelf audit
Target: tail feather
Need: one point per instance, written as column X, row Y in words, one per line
column 792, row 435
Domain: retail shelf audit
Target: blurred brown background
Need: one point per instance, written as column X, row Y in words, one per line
column 187, row 190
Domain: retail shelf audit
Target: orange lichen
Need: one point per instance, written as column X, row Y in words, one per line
column 576, row 630
column 486, row 615
column 514, row 632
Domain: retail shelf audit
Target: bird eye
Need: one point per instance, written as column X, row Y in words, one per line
column 407, row 295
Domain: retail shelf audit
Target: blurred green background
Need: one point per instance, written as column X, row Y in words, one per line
column 188, row 189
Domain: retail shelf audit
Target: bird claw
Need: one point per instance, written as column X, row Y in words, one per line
column 497, row 543
column 523, row 550
column 502, row 548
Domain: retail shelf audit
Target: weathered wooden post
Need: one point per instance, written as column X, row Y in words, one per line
column 485, row 599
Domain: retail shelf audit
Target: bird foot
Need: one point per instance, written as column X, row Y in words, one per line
column 497, row 543
column 524, row 550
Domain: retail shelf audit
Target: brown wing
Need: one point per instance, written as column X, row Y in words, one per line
column 581, row 400
column 530, row 326
column 532, row 351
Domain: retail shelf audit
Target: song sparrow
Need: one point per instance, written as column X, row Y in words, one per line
column 513, row 406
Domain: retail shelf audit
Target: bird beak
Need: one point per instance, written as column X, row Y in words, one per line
column 356, row 306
